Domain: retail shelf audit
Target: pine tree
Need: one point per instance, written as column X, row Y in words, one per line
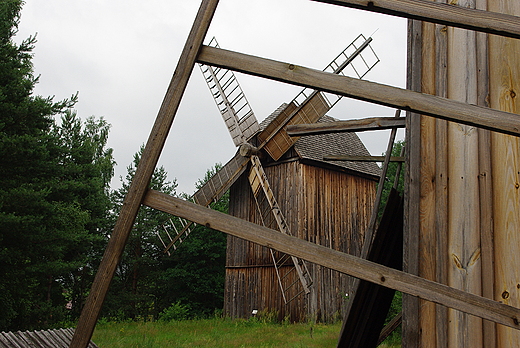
column 47, row 223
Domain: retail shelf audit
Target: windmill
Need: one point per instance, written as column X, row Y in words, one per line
column 255, row 142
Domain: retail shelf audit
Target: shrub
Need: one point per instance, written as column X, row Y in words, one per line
column 177, row 311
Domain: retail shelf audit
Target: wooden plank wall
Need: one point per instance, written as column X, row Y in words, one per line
column 323, row 206
column 468, row 191
column 504, row 73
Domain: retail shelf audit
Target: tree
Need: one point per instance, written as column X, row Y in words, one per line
column 84, row 175
column 147, row 281
column 390, row 176
column 46, row 221
column 132, row 290
column 195, row 273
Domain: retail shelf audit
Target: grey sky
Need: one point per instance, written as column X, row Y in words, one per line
column 120, row 56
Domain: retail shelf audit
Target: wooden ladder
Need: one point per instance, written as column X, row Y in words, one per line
column 272, row 217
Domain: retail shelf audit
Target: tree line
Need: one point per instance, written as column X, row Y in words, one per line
column 57, row 211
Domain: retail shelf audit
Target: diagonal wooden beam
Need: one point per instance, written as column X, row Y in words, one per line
column 426, row 104
column 336, row 260
column 441, row 13
column 143, row 174
column 361, row 125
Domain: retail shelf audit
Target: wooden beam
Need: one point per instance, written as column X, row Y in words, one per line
column 412, row 194
column 362, row 158
column 435, row 12
column 361, row 125
column 499, row 121
column 341, row 262
column 390, row 327
column 369, row 306
column 143, row 174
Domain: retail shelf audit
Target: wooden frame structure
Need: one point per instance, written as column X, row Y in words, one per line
column 415, row 102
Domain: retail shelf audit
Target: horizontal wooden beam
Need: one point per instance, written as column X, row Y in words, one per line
column 442, row 13
column 344, row 263
column 362, row 158
column 398, row 98
column 361, row 125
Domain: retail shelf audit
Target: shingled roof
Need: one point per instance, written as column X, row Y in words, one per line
column 315, row 147
column 59, row 338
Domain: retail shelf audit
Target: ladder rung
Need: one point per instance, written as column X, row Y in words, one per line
column 292, row 284
column 289, row 272
column 295, row 296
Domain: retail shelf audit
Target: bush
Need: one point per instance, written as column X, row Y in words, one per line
column 177, row 311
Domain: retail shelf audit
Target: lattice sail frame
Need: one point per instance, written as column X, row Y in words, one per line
column 231, row 101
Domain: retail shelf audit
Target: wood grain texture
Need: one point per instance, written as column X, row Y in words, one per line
column 504, row 63
column 326, row 207
column 141, row 180
column 427, row 236
column 337, row 260
column 485, row 183
column 441, row 181
column 364, row 90
column 365, row 124
column 498, row 23
column 464, row 252
column 411, row 334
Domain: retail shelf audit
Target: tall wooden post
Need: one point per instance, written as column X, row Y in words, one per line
column 471, row 178
column 463, row 195
column 504, row 73
column 142, row 177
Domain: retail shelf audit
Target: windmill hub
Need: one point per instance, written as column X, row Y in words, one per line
column 247, row 150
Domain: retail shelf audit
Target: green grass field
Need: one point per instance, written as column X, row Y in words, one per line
column 215, row 333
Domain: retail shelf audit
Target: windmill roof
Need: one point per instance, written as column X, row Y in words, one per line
column 315, row 147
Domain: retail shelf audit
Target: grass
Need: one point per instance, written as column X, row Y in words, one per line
column 215, row 333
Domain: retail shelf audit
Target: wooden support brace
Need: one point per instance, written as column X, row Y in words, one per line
column 441, row 13
column 451, row 110
column 361, row 125
column 143, row 174
column 336, row 260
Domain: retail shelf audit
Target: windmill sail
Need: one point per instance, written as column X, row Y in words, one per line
column 231, row 101
column 219, row 183
column 307, row 107
column 310, row 105
column 169, row 242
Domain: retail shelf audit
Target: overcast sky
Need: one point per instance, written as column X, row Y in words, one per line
column 120, row 56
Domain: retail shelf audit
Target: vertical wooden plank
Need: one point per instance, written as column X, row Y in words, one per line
column 463, row 195
column 485, row 183
column 441, row 182
column 412, row 190
column 144, row 171
column 427, row 239
column 504, row 64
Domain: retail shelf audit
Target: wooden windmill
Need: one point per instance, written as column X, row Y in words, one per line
column 268, row 269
